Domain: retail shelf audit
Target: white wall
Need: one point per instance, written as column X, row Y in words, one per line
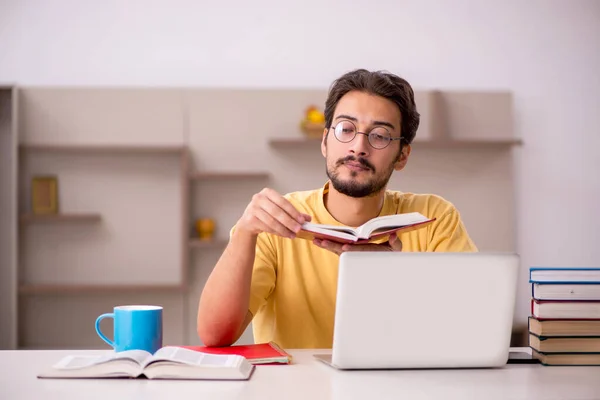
column 546, row 52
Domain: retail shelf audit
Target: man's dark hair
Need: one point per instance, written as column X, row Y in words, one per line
column 380, row 83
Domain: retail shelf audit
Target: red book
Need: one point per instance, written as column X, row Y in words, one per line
column 262, row 353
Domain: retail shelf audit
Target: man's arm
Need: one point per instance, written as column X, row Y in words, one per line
column 223, row 310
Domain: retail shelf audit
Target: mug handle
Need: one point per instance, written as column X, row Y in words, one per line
column 99, row 332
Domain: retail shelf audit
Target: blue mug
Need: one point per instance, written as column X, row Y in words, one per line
column 135, row 328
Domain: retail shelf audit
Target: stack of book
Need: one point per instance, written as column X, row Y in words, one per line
column 564, row 328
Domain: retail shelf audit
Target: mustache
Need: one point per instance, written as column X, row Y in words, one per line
column 361, row 161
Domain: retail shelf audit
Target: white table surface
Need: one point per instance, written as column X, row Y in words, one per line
column 306, row 378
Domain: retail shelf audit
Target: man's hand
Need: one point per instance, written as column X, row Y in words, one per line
column 270, row 212
column 394, row 244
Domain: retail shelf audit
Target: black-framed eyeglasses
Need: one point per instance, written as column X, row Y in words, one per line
column 379, row 137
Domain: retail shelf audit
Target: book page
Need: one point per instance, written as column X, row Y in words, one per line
column 389, row 221
column 191, row 357
column 139, row 356
column 78, row 362
column 84, row 361
column 344, row 229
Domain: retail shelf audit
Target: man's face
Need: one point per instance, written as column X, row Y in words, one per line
column 356, row 168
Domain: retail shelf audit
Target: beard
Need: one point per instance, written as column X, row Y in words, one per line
column 351, row 187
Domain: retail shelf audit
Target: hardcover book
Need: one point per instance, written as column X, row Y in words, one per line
column 374, row 230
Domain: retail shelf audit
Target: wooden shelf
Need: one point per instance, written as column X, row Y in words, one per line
column 208, row 244
column 91, row 148
column 84, row 289
column 466, row 144
column 60, row 218
column 294, row 142
column 216, row 176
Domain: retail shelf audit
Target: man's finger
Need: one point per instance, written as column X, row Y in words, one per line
column 285, row 205
column 271, row 225
column 337, row 248
column 395, row 243
column 280, row 216
column 368, row 247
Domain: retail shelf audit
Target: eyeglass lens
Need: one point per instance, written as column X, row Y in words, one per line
column 379, row 137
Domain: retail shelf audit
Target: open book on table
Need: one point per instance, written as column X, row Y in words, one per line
column 370, row 231
column 166, row 363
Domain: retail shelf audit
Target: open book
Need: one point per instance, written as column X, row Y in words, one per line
column 377, row 228
column 166, row 363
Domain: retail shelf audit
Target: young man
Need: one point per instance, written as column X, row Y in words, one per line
column 287, row 286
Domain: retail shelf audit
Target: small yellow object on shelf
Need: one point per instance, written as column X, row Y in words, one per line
column 205, row 227
column 313, row 123
column 44, row 195
column 315, row 116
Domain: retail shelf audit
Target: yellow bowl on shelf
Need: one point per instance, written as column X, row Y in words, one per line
column 313, row 129
column 205, row 228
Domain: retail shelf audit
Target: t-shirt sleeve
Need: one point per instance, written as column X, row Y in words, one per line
column 450, row 235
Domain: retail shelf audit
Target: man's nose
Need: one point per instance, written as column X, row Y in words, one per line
column 360, row 145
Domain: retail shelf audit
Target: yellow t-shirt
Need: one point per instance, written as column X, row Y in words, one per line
column 294, row 282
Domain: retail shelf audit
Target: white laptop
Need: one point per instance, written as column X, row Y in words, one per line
column 423, row 310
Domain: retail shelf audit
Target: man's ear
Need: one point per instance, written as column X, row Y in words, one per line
column 403, row 158
column 324, row 143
